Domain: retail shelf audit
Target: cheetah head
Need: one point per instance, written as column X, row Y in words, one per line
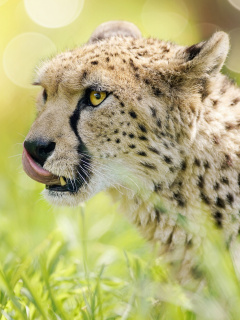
column 116, row 112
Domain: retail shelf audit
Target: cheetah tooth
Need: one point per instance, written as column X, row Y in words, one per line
column 63, row 181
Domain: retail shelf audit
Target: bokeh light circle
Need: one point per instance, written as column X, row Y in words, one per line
column 235, row 4
column 52, row 13
column 165, row 20
column 23, row 53
column 2, row 2
column 233, row 58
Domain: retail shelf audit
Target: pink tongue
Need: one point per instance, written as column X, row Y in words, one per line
column 34, row 171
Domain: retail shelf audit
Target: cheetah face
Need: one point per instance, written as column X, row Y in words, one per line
column 111, row 113
column 74, row 153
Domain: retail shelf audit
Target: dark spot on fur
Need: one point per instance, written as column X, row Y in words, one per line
column 200, row 181
column 230, row 198
column 142, row 153
column 154, row 150
column 235, row 101
column 132, row 64
column 131, row 135
column 197, row 162
column 95, row 62
column 157, row 187
column 216, row 186
column 118, row 140
column 142, row 127
column 107, row 59
column 121, row 104
column 124, row 133
column 143, row 138
column 159, row 123
column 220, row 203
column 230, row 126
column 133, row 114
column 178, row 197
column 149, row 165
column 167, row 159
column 139, row 98
column 205, row 198
column 206, row 165
column 116, row 131
column 154, row 113
column 132, row 146
column 166, row 145
column 224, row 180
column 183, row 165
column 156, row 91
column 218, row 218
column 122, row 111
column 108, row 139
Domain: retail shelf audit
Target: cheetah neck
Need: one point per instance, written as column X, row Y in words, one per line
column 207, row 179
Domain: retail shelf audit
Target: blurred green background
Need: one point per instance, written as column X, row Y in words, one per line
column 86, row 262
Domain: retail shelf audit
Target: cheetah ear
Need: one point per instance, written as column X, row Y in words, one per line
column 115, row 28
column 207, row 56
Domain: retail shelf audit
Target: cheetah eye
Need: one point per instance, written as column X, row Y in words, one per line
column 45, row 95
column 97, row 97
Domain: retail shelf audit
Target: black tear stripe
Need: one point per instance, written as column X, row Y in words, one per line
column 84, row 167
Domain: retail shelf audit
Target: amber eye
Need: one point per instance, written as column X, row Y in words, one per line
column 96, row 97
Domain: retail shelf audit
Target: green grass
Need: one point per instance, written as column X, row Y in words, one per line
column 90, row 263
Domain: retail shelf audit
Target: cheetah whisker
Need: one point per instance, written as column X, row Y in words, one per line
column 16, row 155
column 108, row 177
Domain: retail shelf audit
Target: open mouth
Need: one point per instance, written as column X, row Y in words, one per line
column 53, row 182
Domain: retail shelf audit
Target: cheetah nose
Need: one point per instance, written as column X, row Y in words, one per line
column 39, row 150
column 34, row 156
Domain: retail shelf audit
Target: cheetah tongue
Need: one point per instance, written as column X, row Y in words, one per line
column 36, row 172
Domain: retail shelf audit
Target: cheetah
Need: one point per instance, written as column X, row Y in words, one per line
column 153, row 123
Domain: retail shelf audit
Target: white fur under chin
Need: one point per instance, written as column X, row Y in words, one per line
column 66, row 199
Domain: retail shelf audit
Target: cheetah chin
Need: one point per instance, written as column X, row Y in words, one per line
column 59, row 189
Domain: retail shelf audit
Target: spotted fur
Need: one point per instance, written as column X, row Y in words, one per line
column 168, row 133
